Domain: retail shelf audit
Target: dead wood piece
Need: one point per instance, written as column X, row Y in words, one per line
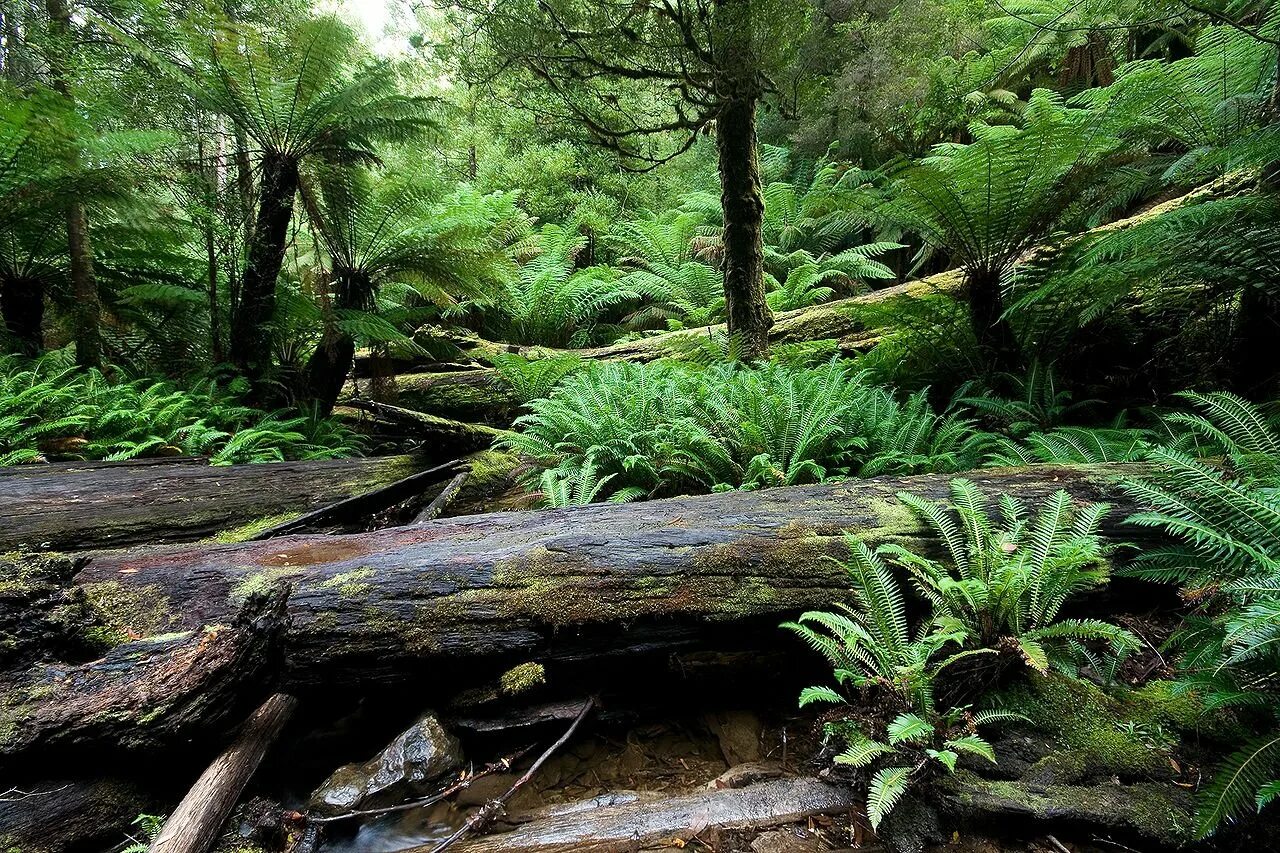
column 627, row 827
column 441, row 502
column 565, row 584
column 61, row 815
column 448, row 436
column 196, row 822
column 146, row 692
column 115, row 505
column 359, row 506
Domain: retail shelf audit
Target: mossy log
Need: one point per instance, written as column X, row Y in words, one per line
column 75, row 506
column 386, row 606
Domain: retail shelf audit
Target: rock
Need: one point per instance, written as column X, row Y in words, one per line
column 790, row 840
column 418, row 757
column 739, row 734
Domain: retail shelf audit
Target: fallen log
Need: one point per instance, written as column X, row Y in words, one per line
column 449, row 437
column 631, row 826
column 592, row 581
column 63, row 815
column 195, row 823
column 441, row 501
column 102, row 505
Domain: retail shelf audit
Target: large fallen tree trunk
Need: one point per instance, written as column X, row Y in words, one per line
column 99, row 505
column 388, row 605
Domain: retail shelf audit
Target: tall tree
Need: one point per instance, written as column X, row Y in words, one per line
column 646, row 79
column 310, row 94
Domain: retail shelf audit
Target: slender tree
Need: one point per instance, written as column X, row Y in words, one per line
column 646, row 79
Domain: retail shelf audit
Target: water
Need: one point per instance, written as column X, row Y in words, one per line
column 396, row 831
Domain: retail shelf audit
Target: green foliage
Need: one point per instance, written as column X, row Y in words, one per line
column 1003, row 586
column 48, row 409
column 1226, row 554
column 672, row 429
column 149, row 825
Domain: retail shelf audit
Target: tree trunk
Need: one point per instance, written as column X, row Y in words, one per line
column 67, row 506
column 743, row 204
column 250, row 333
column 22, row 304
column 467, row 592
column 327, row 369
column 997, row 344
column 87, row 317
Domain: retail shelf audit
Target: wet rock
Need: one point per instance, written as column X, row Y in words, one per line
column 791, row 840
column 739, row 734
column 420, row 756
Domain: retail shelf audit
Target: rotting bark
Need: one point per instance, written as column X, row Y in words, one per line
column 383, row 607
column 631, row 826
column 102, row 505
column 62, row 815
column 147, row 692
column 194, row 825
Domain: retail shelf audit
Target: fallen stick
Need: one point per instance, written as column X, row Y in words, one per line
column 442, row 500
column 491, row 809
column 360, row 505
column 195, row 823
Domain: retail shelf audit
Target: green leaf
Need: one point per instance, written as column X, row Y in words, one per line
column 861, row 751
column 886, row 789
column 809, row 695
column 946, row 756
column 909, row 728
column 974, row 745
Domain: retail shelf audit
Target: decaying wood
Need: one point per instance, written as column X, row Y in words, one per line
column 148, row 691
column 632, row 826
column 363, row 505
column 600, row 580
column 194, row 825
column 447, row 436
column 59, row 815
column 441, row 501
column 101, row 505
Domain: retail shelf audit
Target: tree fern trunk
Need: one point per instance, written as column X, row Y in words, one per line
column 22, row 304
column 329, row 365
column 997, row 344
column 250, row 337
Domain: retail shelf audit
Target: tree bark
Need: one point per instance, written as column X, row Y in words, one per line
column 113, row 504
column 997, row 344
column 250, row 333
column 87, row 316
column 608, row 579
column 22, row 304
column 196, row 822
column 1256, row 356
column 327, row 369
column 749, row 317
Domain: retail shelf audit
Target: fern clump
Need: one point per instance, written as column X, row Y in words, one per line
column 51, row 411
column 871, row 646
column 1225, row 526
column 670, row 428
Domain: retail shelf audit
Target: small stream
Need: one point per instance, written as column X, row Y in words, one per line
column 393, row 832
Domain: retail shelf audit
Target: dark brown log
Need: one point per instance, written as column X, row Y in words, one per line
column 65, row 815
column 147, row 692
column 446, row 436
column 102, row 505
column 194, row 825
column 598, row 580
column 632, row 826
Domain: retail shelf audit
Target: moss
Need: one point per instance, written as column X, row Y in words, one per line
column 260, row 583
column 128, row 611
column 489, row 467
column 350, row 584
column 247, row 531
column 1157, row 811
column 522, row 678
